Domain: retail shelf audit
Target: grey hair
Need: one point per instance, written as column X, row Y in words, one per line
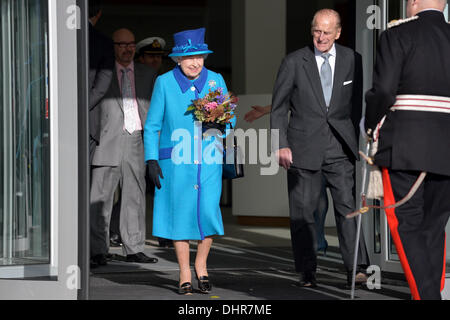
column 328, row 12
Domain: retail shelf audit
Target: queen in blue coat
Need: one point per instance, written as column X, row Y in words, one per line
column 187, row 198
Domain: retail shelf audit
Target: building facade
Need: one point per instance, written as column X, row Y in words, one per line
column 44, row 173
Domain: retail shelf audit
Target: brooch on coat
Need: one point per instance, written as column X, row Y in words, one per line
column 212, row 83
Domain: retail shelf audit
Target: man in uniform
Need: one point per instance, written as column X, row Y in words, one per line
column 411, row 87
column 151, row 52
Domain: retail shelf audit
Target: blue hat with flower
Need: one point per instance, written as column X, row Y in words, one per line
column 190, row 43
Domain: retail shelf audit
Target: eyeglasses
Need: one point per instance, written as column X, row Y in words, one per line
column 123, row 45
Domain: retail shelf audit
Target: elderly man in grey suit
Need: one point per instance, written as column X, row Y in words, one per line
column 321, row 86
column 119, row 157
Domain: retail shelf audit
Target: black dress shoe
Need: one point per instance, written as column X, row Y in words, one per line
column 204, row 285
column 360, row 279
column 186, row 289
column 308, row 279
column 115, row 241
column 140, row 258
column 99, row 260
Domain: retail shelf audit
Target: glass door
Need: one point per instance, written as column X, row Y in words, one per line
column 372, row 19
column 25, row 212
column 39, row 143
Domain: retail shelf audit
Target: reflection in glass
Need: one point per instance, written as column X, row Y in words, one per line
column 377, row 227
column 395, row 10
column 2, row 240
column 26, row 186
column 392, row 250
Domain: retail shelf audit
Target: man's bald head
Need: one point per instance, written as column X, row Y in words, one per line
column 123, row 35
column 330, row 13
column 413, row 7
column 124, row 46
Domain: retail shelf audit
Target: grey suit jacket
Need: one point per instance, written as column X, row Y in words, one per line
column 298, row 89
column 109, row 150
column 101, row 64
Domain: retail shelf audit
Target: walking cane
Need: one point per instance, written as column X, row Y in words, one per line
column 358, row 229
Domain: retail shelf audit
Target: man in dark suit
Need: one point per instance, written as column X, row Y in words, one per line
column 321, row 86
column 411, row 89
column 119, row 157
column 101, row 64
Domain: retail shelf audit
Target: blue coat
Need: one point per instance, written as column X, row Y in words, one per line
column 187, row 207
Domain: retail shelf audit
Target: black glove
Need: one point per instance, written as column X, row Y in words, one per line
column 214, row 125
column 154, row 172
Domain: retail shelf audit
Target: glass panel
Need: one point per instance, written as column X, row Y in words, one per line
column 377, row 228
column 27, row 123
column 393, row 256
column 1, row 146
column 395, row 9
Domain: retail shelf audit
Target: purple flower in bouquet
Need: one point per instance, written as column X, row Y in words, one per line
column 221, row 99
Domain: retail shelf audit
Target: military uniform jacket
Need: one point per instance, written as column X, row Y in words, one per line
column 412, row 58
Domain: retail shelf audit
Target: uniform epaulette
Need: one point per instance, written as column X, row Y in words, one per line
column 395, row 23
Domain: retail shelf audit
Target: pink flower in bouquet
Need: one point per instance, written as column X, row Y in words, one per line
column 211, row 106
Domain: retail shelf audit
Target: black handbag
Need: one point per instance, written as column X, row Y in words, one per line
column 233, row 166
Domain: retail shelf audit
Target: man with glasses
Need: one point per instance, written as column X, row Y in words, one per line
column 119, row 157
column 321, row 85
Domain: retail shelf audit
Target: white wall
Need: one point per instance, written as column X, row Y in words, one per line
column 258, row 47
column 257, row 195
column 258, row 44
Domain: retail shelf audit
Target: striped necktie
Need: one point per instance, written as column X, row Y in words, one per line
column 128, row 102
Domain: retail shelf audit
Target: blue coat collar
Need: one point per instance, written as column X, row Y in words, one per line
column 185, row 84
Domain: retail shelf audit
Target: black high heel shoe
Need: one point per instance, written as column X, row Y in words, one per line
column 204, row 285
column 186, row 289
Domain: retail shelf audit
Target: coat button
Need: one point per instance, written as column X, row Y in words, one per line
column 192, row 89
column 196, row 187
column 196, row 162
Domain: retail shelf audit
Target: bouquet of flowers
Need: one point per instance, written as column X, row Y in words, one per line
column 215, row 107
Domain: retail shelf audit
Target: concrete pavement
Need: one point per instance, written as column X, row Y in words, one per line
column 248, row 263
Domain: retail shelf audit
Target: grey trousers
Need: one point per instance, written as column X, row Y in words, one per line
column 305, row 187
column 130, row 174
